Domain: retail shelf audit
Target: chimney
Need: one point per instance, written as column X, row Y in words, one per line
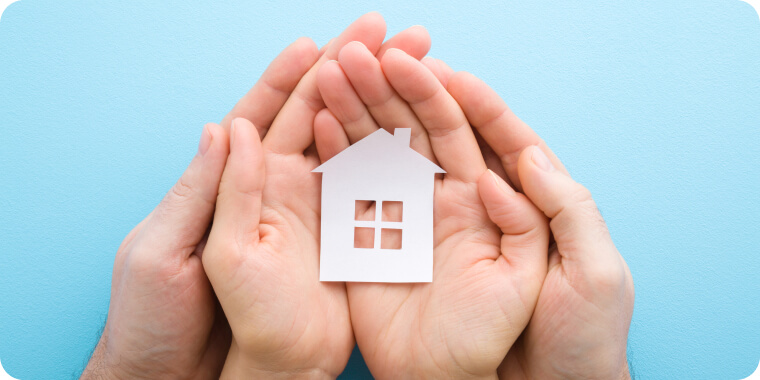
column 402, row 136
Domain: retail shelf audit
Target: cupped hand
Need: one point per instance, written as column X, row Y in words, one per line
column 579, row 328
column 164, row 320
column 262, row 256
column 489, row 241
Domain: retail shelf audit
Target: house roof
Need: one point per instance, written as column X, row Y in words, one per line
column 381, row 148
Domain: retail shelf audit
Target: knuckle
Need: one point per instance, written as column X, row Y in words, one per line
column 182, row 190
column 609, row 277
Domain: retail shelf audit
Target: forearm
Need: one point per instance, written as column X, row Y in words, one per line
column 98, row 367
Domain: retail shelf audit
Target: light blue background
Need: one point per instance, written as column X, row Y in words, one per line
column 653, row 105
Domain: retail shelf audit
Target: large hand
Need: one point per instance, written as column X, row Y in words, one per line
column 488, row 266
column 262, row 257
column 580, row 326
column 163, row 319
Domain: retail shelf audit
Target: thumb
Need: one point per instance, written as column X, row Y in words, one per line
column 239, row 201
column 579, row 230
column 524, row 227
column 180, row 221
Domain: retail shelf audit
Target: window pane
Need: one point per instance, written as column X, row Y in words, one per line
column 364, row 237
column 390, row 238
column 393, row 211
column 365, row 210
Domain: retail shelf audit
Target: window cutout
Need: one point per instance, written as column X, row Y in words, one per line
column 390, row 238
column 365, row 211
column 364, row 237
column 393, row 211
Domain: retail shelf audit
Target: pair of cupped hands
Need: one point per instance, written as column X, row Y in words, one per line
column 527, row 281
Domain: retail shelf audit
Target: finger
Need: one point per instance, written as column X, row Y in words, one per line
column 180, row 221
column 524, row 227
column 344, row 103
column 324, row 47
column 329, row 136
column 239, row 202
column 261, row 104
column 384, row 104
column 500, row 128
column 440, row 69
column 292, row 130
column 450, row 134
column 579, row 230
column 414, row 40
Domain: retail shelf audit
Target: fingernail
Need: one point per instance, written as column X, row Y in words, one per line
column 540, row 159
column 205, row 141
column 503, row 186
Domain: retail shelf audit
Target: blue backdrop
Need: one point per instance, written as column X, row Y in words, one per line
column 653, row 105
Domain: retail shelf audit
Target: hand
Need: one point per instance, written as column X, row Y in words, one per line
column 164, row 320
column 580, row 326
column 262, row 257
column 488, row 265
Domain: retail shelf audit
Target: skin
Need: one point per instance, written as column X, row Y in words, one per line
column 164, row 320
column 262, row 255
column 486, row 241
column 579, row 329
column 580, row 324
column 488, row 266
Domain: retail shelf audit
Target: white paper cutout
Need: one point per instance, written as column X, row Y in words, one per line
column 382, row 168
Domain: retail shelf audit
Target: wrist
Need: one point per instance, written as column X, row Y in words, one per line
column 99, row 366
column 239, row 366
column 625, row 374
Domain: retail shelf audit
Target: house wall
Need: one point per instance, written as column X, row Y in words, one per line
column 340, row 261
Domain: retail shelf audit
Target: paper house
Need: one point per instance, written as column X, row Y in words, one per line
column 395, row 242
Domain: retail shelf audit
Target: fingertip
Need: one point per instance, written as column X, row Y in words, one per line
column 493, row 191
column 302, row 54
column 392, row 55
column 511, row 212
column 218, row 141
column 370, row 29
column 352, row 51
column 373, row 18
column 548, row 188
column 329, row 135
column 421, row 41
column 242, row 134
column 306, row 45
column 331, row 81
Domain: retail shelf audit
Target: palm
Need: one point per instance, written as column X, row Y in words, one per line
column 465, row 316
column 298, row 317
column 555, row 311
column 485, row 278
column 576, row 310
column 176, row 347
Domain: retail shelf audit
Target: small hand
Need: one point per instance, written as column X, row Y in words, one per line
column 488, row 266
column 164, row 320
column 262, row 257
column 580, row 326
